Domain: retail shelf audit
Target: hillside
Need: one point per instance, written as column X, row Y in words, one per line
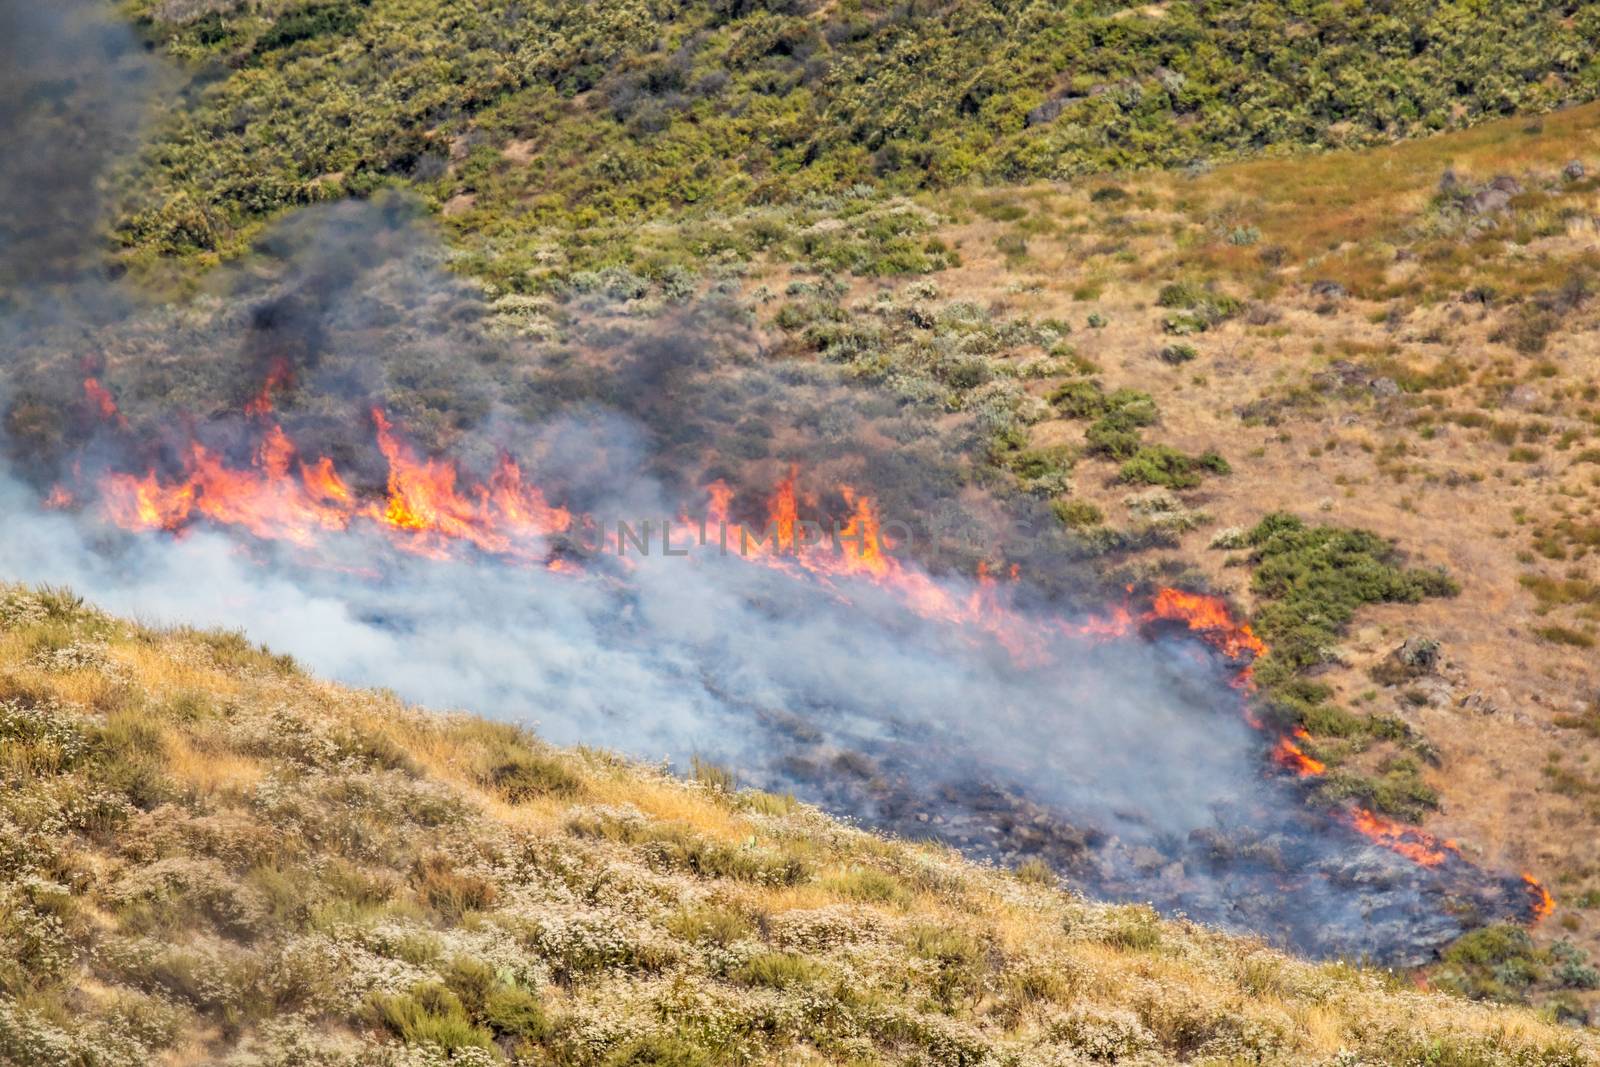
column 551, row 131
column 212, row 857
column 1230, row 367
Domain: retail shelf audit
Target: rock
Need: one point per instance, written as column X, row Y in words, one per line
column 1574, row 171
column 1341, row 374
column 1487, row 202
column 1385, row 387
column 1046, row 112
column 1419, row 653
column 1415, row 658
column 1331, row 290
column 1523, row 396
column 1495, row 198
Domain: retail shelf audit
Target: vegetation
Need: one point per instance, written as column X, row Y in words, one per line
column 1310, row 581
column 206, row 855
column 1502, row 963
column 1314, row 578
column 845, row 177
column 556, row 126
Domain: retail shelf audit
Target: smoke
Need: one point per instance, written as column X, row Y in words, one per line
column 1125, row 764
column 73, row 87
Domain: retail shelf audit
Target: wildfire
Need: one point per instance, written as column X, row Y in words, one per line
column 280, row 376
column 1209, row 617
column 499, row 518
column 427, row 507
column 278, row 496
column 102, row 403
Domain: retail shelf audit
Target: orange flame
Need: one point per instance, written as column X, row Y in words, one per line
column 1287, row 753
column 279, row 497
column 426, row 509
column 101, row 400
column 1209, row 617
column 280, row 376
column 1543, row 903
column 1415, row 844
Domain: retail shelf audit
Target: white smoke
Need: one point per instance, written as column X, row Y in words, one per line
column 672, row 663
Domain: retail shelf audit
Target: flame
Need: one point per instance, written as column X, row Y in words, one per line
column 426, row 507
column 858, row 548
column 862, row 537
column 1415, row 844
column 102, row 403
column 1209, row 617
column 277, row 496
column 1541, row 900
column 280, row 376
column 424, row 502
column 1287, row 753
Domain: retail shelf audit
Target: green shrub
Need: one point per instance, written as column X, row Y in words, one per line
column 1165, row 466
column 1081, row 398
column 1077, row 514
column 517, row 1013
column 1314, row 579
column 526, row 775
column 430, row 1014
column 711, row 924
column 1562, row 635
column 779, row 970
column 870, row 885
column 662, row 1051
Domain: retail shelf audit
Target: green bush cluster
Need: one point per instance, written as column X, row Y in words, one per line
column 471, row 1008
column 1503, row 963
column 1165, row 466
column 1118, row 418
column 1313, row 578
column 1196, row 309
column 1310, row 581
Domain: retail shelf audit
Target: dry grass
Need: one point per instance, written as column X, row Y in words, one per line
column 281, row 871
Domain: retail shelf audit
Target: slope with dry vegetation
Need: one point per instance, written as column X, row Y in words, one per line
column 210, row 857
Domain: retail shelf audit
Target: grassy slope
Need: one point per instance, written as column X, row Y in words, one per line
column 206, row 854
